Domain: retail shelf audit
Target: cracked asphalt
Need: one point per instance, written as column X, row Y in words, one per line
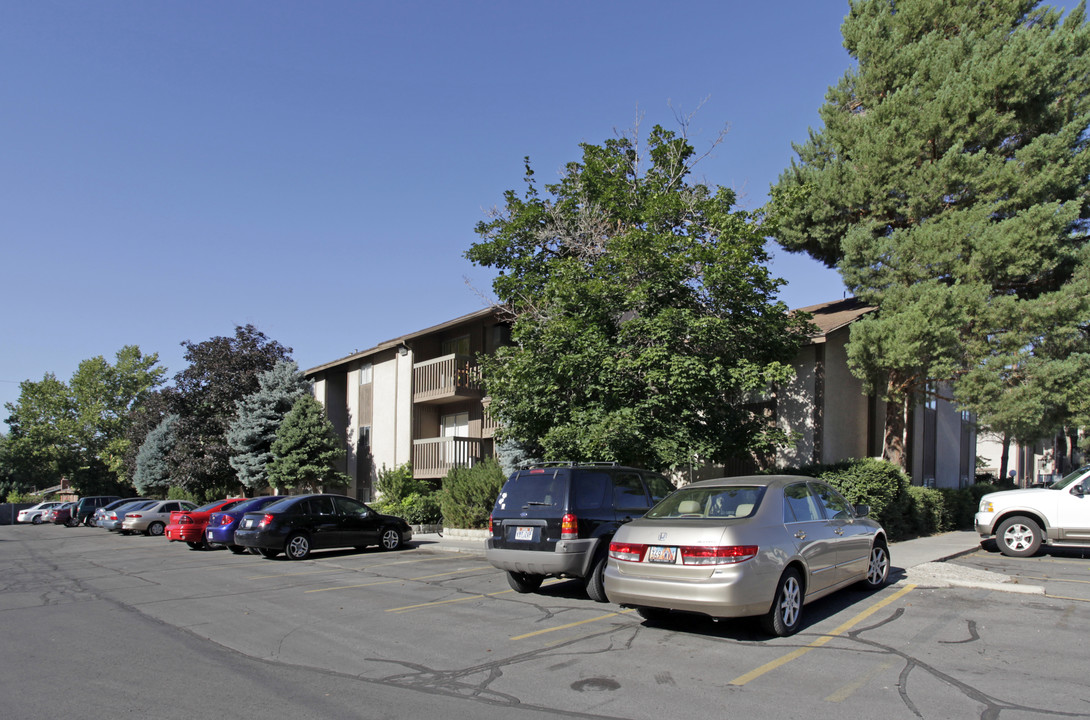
column 121, row 622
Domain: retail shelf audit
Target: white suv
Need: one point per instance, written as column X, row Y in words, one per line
column 1021, row 520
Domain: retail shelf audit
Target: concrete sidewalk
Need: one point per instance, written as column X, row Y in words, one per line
column 921, row 561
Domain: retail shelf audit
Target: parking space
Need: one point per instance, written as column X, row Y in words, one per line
column 1064, row 573
column 448, row 623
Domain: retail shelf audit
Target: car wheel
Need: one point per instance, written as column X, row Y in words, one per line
column 72, row 522
column 391, row 539
column 297, row 547
column 878, row 566
column 594, row 582
column 195, row 545
column 524, row 582
column 1018, row 536
column 236, row 549
column 156, row 528
column 784, row 616
column 268, row 553
column 37, row 520
column 653, row 615
column 89, row 521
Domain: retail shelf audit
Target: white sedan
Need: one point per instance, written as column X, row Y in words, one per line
column 34, row 514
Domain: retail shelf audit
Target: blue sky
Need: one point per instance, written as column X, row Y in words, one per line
column 171, row 170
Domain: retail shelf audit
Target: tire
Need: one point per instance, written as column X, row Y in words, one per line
column 653, row 615
column 1018, row 536
column 156, row 528
column 236, row 549
column 785, row 615
column 72, row 522
column 195, row 545
column 594, row 582
column 877, row 566
column 391, row 539
column 268, row 553
column 524, row 582
column 297, row 547
column 37, row 520
column 89, row 521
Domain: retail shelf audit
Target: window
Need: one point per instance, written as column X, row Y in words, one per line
column 366, row 373
column 456, row 346
column 799, row 505
column 628, row 493
column 365, row 436
column 836, row 507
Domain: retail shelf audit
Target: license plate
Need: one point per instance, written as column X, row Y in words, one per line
column 659, row 554
column 524, row 533
column 209, row 534
column 249, row 522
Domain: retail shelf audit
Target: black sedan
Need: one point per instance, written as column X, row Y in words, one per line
column 297, row 525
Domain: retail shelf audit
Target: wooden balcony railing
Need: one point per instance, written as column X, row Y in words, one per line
column 434, row 457
column 446, row 378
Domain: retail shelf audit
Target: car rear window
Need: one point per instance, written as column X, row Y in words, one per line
column 736, row 501
column 528, row 489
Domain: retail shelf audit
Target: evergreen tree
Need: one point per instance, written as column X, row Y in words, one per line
column 306, row 451
column 259, row 414
column 949, row 187
column 644, row 313
column 153, row 468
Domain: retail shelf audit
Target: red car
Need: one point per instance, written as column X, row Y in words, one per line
column 188, row 525
column 60, row 515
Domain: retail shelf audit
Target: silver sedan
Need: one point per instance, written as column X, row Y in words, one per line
column 748, row 546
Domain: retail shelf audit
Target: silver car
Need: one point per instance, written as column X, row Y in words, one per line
column 747, row 546
column 152, row 519
column 112, row 519
column 34, row 514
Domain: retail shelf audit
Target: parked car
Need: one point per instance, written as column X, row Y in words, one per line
column 737, row 547
column 223, row 523
column 61, row 515
column 188, row 525
column 558, row 519
column 113, row 519
column 34, row 514
column 298, row 525
column 152, row 519
column 1021, row 521
column 85, row 507
column 100, row 513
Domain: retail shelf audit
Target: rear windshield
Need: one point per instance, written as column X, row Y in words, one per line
column 539, row 488
column 710, row 502
column 255, row 503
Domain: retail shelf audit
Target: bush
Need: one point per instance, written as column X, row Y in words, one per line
column 176, row 492
column 877, row 483
column 416, row 501
column 18, row 497
column 469, row 493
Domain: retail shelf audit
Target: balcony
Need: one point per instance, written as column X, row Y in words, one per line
column 434, row 457
column 446, row 379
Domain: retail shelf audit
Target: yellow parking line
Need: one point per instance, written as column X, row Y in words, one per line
column 570, row 625
column 1064, row 597
column 386, row 582
column 309, row 572
column 1031, row 577
column 770, row 666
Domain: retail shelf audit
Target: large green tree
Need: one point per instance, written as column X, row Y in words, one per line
column 78, row 429
column 258, row 416
column 645, row 323
column 306, row 451
column 948, row 185
column 221, row 372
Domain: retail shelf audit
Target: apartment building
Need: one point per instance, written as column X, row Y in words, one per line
column 419, row 398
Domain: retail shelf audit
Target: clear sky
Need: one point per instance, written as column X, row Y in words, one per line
column 170, row 170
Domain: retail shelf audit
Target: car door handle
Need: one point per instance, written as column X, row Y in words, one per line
column 800, row 535
column 839, row 531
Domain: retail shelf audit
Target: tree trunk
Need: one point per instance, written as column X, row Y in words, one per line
column 1074, row 456
column 893, row 443
column 1003, row 456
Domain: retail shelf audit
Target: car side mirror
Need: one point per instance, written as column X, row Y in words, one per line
column 1079, row 490
column 862, row 510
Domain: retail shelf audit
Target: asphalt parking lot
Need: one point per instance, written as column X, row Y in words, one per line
column 447, row 625
column 1061, row 573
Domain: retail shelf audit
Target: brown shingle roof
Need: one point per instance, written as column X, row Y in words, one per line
column 831, row 316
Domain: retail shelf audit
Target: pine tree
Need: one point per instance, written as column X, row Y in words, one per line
column 306, row 451
column 253, row 431
column 949, row 186
column 152, row 464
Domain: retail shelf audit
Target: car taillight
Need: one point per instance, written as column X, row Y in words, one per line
column 490, row 525
column 185, row 520
column 569, row 527
column 632, row 552
column 134, row 515
column 225, row 520
column 717, row 554
column 268, row 519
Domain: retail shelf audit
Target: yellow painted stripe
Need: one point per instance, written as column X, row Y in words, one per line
column 1064, row 597
column 570, row 625
column 1048, row 579
column 794, row 654
column 387, row 582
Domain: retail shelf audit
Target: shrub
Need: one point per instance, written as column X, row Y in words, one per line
column 416, row 501
column 176, row 492
column 469, row 493
column 929, row 511
column 18, row 497
column 877, row 483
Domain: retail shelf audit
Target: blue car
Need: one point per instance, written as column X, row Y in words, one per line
column 221, row 525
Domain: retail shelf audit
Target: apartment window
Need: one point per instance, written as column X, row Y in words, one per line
column 366, row 374
column 931, row 401
column 456, row 346
column 365, row 436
